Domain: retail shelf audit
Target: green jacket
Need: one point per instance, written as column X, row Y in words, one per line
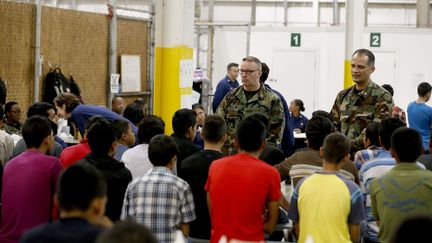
column 234, row 107
column 404, row 191
column 352, row 112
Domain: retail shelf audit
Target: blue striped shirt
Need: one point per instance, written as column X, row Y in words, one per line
column 366, row 154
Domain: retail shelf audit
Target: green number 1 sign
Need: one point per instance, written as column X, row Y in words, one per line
column 375, row 39
column 295, row 39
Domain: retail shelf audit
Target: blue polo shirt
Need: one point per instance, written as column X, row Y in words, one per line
column 223, row 87
column 82, row 113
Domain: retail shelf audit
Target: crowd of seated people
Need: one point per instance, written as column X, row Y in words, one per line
column 218, row 177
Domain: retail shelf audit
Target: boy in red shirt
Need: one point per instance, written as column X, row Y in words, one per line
column 241, row 188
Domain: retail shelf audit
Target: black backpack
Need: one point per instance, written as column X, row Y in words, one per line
column 54, row 84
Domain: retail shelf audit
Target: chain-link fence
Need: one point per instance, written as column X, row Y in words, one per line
column 378, row 13
column 133, row 38
column 230, row 44
column 77, row 42
column 218, row 45
column 391, row 13
column 16, row 52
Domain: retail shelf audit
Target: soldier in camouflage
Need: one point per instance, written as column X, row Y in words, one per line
column 363, row 103
column 251, row 97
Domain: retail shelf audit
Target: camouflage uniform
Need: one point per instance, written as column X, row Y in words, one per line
column 353, row 112
column 234, row 107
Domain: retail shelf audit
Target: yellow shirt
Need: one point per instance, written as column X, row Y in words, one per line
column 324, row 204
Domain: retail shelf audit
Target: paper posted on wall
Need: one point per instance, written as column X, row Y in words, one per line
column 114, row 83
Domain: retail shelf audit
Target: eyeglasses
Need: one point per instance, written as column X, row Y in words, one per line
column 248, row 72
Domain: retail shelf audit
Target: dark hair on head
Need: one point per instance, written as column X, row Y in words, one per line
column 134, row 113
column 265, row 72
column 8, row 106
column 127, row 232
column 413, row 229
column 323, row 114
column 423, row 89
column 250, row 134
column 120, row 127
column 262, row 118
column 214, row 128
column 336, row 146
column 92, row 120
column 1, row 112
column 39, row 108
column 300, row 104
column 372, row 133
column 387, row 127
column 317, row 129
column 182, row 120
column 369, row 54
column 232, row 64
column 161, row 150
column 79, row 185
column 407, row 144
column 101, row 136
column 34, row 130
column 70, row 101
column 253, row 59
column 389, row 88
column 140, row 101
column 198, row 106
column 149, row 127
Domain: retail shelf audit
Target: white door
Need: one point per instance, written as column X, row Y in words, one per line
column 386, row 72
column 293, row 74
column 385, row 68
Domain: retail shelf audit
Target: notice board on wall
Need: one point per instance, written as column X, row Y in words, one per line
column 130, row 73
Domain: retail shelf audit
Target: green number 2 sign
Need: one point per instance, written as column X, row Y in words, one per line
column 375, row 39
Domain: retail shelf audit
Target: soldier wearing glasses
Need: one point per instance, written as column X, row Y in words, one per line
column 251, row 97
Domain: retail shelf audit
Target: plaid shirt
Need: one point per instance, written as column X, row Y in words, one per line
column 161, row 201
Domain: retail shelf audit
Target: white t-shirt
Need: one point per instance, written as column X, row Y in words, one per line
column 6, row 147
column 136, row 160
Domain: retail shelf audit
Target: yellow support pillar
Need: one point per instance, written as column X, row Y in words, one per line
column 173, row 58
column 355, row 22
